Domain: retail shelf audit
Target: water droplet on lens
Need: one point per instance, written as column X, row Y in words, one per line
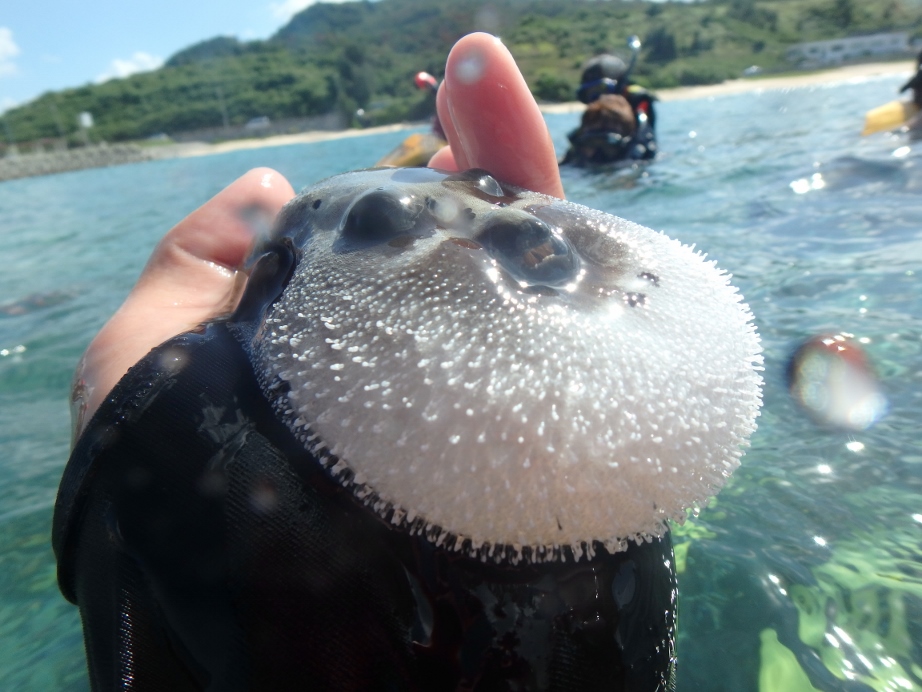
column 470, row 69
column 488, row 184
column 480, row 180
column 831, row 377
column 264, row 497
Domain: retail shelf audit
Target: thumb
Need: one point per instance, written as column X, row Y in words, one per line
column 193, row 275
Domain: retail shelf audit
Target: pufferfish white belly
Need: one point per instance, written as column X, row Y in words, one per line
column 435, row 447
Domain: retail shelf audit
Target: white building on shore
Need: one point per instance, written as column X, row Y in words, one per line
column 839, row 50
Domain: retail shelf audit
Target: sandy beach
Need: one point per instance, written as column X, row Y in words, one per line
column 735, row 86
column 847, row 73
column 203, row 149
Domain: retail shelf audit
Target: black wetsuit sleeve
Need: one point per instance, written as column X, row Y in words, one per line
column 139, row 534
column 914, row 85
column 208, row 550
column 126, row 644
column 201, row 560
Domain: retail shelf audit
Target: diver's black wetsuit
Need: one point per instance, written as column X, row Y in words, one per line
column 607, row 74
column 915, row 85
column 208, row 551
column 610, row 147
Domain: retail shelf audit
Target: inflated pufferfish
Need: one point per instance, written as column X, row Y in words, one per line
column 435, row 447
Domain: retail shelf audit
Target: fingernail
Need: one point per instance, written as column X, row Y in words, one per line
column 471, row 66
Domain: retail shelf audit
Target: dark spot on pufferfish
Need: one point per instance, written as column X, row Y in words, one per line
column 635, row 299
column 649, row 276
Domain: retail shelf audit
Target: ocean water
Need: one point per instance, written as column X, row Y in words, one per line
column 805, row 573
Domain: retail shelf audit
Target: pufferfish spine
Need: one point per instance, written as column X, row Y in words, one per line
column 511, row 375
column 435, row 447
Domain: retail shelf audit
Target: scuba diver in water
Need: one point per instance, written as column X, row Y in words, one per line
column 418, row 148
column 899, row 115
column 915, row 83
column 618, row 123
column 913, row 124
column 426, row 82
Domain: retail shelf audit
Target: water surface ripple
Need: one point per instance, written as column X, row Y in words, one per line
column 808, row 564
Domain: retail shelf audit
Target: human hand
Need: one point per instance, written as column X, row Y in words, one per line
column 195, row 272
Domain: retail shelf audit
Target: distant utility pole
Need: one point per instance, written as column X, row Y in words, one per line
column 220, row 92
column 85, row 122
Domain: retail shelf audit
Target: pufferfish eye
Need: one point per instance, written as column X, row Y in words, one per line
column 381, row 216
column 529, row 249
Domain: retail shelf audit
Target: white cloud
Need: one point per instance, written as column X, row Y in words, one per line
column 8, row 51
column 289, row 8
column 139, row 62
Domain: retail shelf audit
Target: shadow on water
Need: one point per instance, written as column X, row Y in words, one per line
column 844, row 172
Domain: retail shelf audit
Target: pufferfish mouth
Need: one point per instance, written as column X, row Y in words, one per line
column 512, row 375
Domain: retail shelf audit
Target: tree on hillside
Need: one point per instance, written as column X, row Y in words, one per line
column 840, row 14
column 354, row 89
column 550, row 87
column 660, row 46
column 322, row 19
column 219, row 47
column 747, row 11
column 843, row 13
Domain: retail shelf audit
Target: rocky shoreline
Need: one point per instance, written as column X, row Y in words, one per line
column 95, row 156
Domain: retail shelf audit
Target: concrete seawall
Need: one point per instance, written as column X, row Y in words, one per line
column 191, row 143
column 97, row 156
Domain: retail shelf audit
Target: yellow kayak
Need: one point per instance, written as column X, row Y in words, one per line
column 888, row 116
column 415, row 150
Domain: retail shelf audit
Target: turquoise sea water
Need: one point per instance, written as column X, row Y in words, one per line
column 817, row 541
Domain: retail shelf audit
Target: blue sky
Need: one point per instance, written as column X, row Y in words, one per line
column 46, row 45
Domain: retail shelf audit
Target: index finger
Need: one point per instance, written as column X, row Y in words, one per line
column 491, row 118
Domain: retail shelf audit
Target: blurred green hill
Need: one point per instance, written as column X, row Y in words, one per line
column 337, row 58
